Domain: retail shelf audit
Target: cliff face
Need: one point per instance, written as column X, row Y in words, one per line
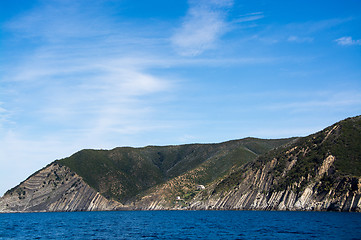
column 320, row 172
column 112, row 180
column 256, row 192
column 54, row 188
column 309, row 174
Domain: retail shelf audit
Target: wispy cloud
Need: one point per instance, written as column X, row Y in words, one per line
column 104, row 85
column 92, row 88
column 203, row 25
column 348, row 41
column 76, row 74
column 57, row 21
column 69, row 90
column 249, row 17
column 66, row 97
column 319, row 101
column 5, row 116
column 297, row 32
column 300, row 39
column 311, row 27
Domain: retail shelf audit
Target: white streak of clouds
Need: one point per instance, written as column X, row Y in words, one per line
column 249, row 17
column 297, row 39
column 320, row 101
column 279, row 33
column 347, row 41
column 203, row 25
column 73, row 87
column 315, row 26
column 55, row 21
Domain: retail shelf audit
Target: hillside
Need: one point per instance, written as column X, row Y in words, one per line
column 318, row 172
column 123, row 174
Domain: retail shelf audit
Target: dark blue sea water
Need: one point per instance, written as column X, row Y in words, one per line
column 181, row 225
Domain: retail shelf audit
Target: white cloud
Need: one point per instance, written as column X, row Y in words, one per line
column 311, row 27
column 76, row 91
column 56, row 21
column 2, row 110
column 202, row 27
column 4, row 118
column 348, row 41
column 276, row 33
column 68, row 94
column 249, row 17
column 299, row 39
column 319, row 101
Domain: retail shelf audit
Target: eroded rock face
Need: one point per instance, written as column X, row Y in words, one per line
column 57, row 188
column 54, row 188
column 256, row 192
column 320, row 172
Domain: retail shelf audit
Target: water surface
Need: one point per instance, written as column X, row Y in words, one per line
column 181, row 225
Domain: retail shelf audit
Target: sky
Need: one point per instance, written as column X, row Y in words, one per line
column 106, row 73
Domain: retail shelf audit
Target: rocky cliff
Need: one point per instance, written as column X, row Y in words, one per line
column 257, row 191
column 54, row 188
column 320, row 172
column 308, row 174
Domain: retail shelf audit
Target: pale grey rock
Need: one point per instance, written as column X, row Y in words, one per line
column 55, row 188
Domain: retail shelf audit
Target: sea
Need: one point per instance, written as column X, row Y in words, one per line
column 181, row 225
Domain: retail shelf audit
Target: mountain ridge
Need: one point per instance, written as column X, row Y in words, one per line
column 317, row 172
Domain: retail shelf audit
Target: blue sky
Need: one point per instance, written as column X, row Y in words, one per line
column 102, row 74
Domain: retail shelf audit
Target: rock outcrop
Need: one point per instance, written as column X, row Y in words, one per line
column 320, row 172
column 55, row 188
column 256, row 192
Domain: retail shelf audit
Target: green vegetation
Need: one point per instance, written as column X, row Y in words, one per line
column 346, row 146
column 128, row 174
column 123, row 173
column 305, row 156
column 115, row 174
column 342, row 140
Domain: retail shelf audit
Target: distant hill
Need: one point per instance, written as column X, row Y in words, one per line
column 318, row 172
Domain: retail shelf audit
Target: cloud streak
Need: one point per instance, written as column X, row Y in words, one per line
column 297, row 32
column 66, row 97
column 203, row 25
column 56, row 21
column 249, row 17
column 348, row 41
column 320, row 101
column 297, row 39
column 76, row 74
column 81, row 94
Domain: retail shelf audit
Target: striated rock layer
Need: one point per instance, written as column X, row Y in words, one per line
column 255, row 191
column 54, row 188
column 320, row 172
